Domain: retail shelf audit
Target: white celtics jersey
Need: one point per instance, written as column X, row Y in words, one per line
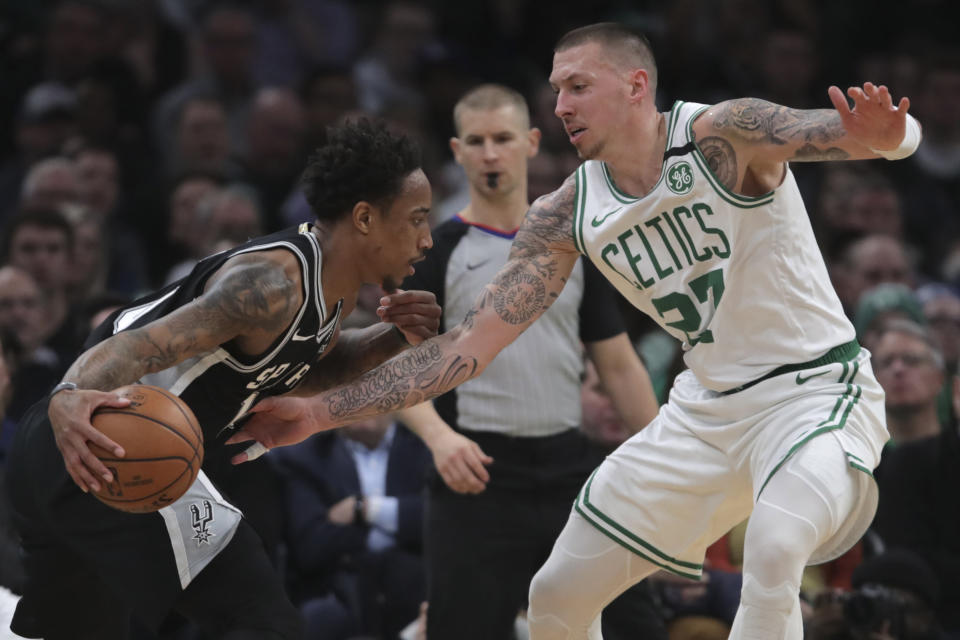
column 739, row 280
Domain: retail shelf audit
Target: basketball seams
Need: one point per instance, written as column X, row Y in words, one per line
column 187, row 468
column 108, row 411
column 191, row 418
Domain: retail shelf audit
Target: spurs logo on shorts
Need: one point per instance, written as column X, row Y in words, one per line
column 201, row 520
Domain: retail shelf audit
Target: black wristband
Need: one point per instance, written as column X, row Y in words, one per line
column 359, row 515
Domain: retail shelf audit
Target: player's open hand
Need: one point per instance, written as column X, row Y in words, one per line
column 873, row 121
column 461, row 462
column 69, row 414
column 415, row 313
column 275, row 422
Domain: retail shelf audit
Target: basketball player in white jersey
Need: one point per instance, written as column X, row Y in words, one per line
column 695, row 216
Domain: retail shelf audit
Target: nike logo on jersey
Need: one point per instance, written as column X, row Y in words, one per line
column 597, row 222
column 801, row 378
column 471, row 267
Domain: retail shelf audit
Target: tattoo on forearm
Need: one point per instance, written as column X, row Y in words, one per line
column 812, row 153
column 412, row 377
column 722, row 159
column 518, row 296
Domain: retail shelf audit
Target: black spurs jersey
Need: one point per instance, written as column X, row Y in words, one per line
column 222, row 384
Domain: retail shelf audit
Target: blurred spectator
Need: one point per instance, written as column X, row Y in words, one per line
column 180, row 242
column 40, row 242
column 21, row 315
column 789, row 67
column 386, row 75
column 919, row 509
column 223, row 219
column 327, row 94
column 894, row 598
column 11, row 563
column 941, row 308
column 931, row 179
column 124, row 266
column 294, row 35
column 200, row 141
column 49, row 184
column 45, row 121
column 223, row 71
column 354, row 506
column 87, row 274
column 881, row 304
column 910, row 369
column 274, row 154
column 867, row 262
column 601, row 421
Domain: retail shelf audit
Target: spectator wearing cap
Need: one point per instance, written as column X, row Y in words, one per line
column 879, row 305
column 45, row 120
column 919, row 510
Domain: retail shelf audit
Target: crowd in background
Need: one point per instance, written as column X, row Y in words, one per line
column 142, row 135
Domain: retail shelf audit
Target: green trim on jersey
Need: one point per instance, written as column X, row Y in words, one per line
column 626, row 198
column 736, row 199
column 580, row 209
column 850, row 397
column 607, row 525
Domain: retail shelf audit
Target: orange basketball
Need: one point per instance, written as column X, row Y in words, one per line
column 163, row 445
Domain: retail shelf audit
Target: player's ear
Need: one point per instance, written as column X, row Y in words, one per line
column 362, row 216
column 455, row 147
column 533, row 137
column 639, row 84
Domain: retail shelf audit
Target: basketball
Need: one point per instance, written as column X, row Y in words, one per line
column 163, row 445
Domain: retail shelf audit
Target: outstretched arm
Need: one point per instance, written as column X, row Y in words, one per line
column 748, row 136
column 540, row 262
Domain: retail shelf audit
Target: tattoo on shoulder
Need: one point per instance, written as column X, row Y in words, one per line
column 722, row 159
column 256, row 295
column 756, row 120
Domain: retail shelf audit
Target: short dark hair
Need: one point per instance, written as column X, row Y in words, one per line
column 629, row 46
column 43, row 218
column 361, row 161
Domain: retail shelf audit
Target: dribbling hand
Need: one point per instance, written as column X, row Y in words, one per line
column 69, row 414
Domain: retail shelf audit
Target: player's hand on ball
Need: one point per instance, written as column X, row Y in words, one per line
column 69, row 414
column 415, row 313
column 275, row 422
column 461, row 463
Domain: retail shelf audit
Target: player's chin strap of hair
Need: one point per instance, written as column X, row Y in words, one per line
column 909, row 144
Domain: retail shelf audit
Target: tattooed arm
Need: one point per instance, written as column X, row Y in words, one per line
column 746, row 141
column 540, row 262
column 251, row 300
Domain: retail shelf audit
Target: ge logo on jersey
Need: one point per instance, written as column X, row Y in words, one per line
column 680, row 178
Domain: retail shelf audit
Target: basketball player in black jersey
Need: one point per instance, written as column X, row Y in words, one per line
column 258, row 320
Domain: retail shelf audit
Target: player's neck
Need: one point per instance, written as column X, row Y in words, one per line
column 340, row 274
column 636, row 167
column 504, row 213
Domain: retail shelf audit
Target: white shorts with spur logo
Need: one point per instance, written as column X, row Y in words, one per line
column 200, row 524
